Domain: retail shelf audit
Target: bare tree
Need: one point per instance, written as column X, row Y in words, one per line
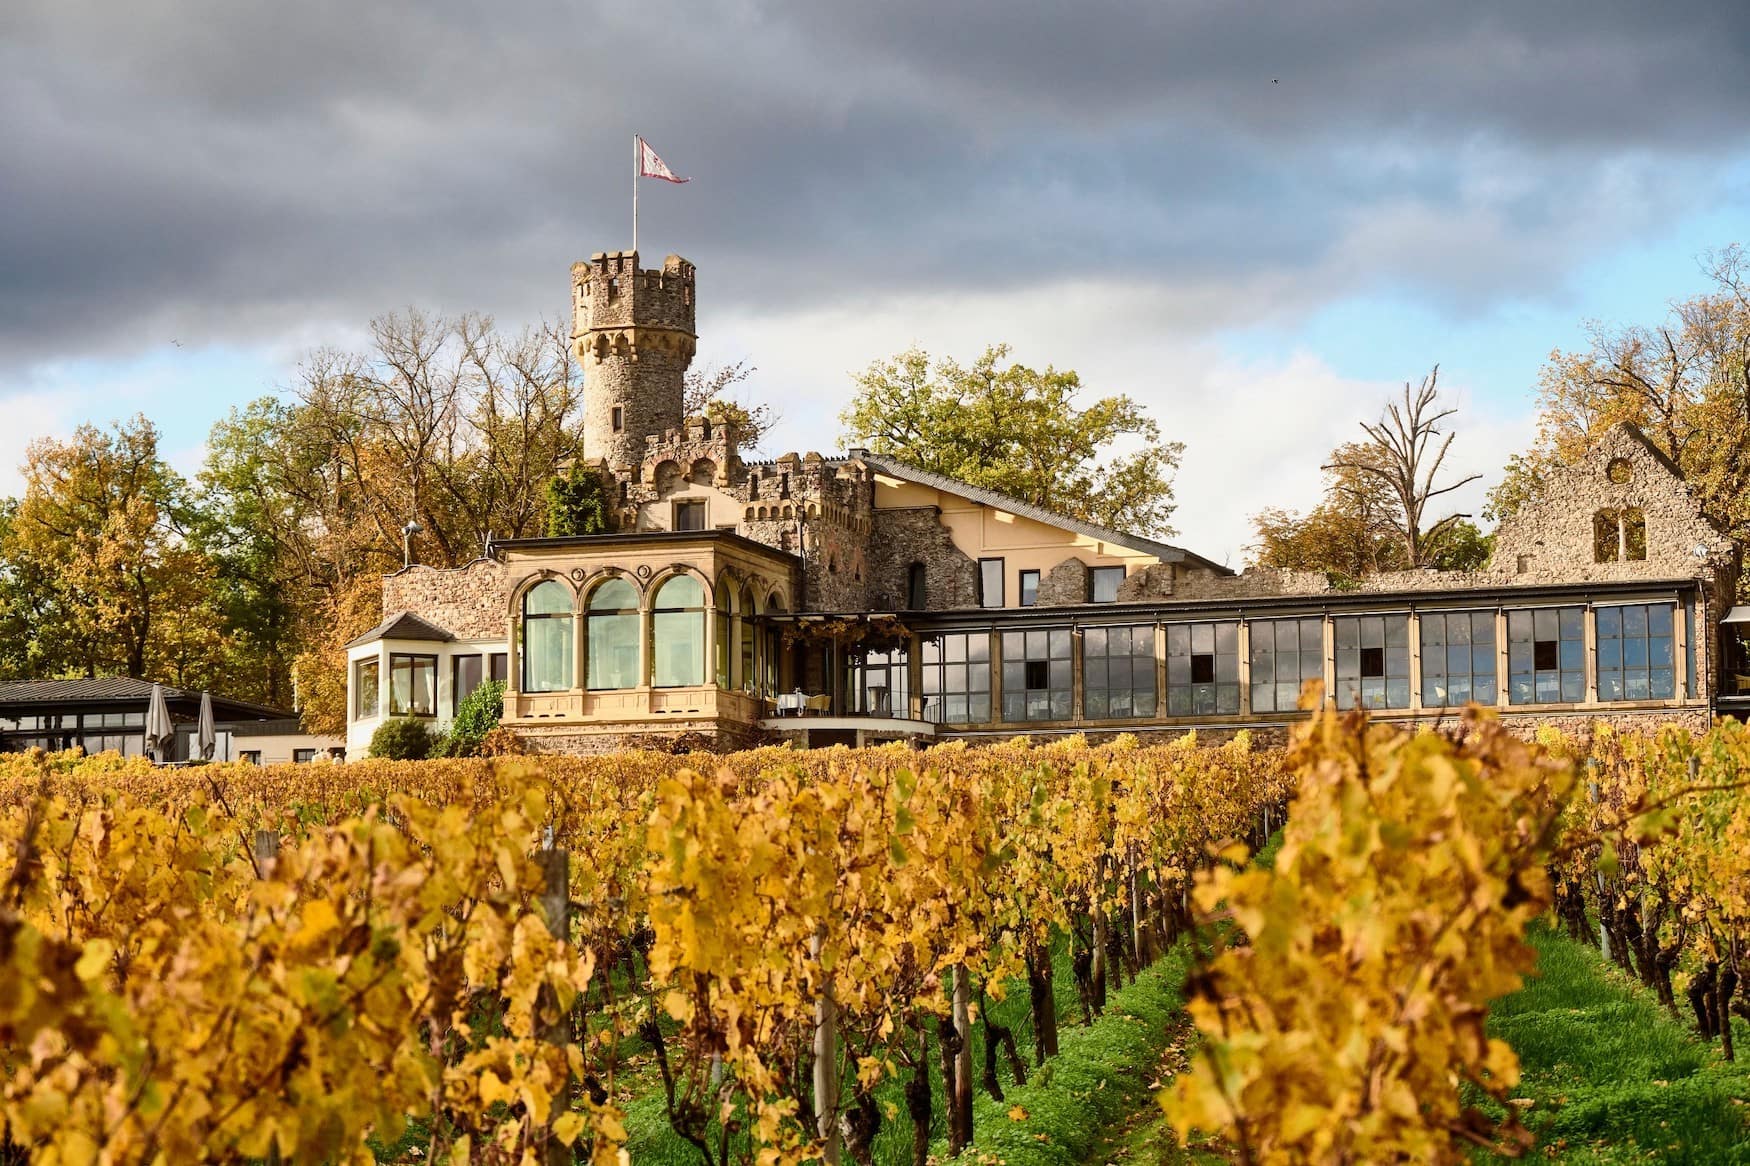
column 707, row 391
column 1404, row 451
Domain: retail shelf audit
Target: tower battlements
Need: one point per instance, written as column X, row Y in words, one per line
column 610, row 290
column 632, row 330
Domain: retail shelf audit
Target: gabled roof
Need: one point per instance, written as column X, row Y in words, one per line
column 1165, row 552
column 404, row 625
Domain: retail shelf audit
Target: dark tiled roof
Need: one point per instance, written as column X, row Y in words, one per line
column 81, row 688
column 102, row 689
column 404, row 625
column 283, row 727
column 1166, row 552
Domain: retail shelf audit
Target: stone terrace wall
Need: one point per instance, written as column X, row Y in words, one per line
column 469, row 602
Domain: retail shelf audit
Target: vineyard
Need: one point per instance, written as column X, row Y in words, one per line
column 784, row 956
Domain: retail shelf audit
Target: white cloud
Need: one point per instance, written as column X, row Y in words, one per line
column 30, row 415
column 1255, row 431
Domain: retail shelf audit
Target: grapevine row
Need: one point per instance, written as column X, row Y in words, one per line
column 780, row 936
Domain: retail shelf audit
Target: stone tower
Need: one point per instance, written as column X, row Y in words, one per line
column 632, row 331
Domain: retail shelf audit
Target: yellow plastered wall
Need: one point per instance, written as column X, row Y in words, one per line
column 1024, row 544
column 721, row 508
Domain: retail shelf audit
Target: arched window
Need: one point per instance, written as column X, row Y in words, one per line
column 1619, row 536
column 547, row 665
column 746, row 676
column 677, row 633
column 722, row 614
column 1634, row 535
column 769, row 645
column 916, row 596
column 1606, row 541
column 613, row 635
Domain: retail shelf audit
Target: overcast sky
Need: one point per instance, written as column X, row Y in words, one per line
column 1257, row 218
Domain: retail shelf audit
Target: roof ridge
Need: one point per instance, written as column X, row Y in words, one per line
column 1001, row 500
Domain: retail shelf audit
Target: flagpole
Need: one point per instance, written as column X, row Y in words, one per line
column 635, row 160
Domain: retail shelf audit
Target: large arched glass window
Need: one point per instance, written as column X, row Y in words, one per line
column 677, row 633
column 547, row 638
column 613, row 635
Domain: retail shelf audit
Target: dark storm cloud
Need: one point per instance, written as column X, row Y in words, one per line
column 228, row 169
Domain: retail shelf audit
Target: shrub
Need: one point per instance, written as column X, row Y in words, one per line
column 502, row 742
column 478, row 714
column 402, row 739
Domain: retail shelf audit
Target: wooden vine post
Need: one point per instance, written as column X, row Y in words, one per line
column 826, row 1061
column 960, row 1102
column 555, row 867
column 266, row 853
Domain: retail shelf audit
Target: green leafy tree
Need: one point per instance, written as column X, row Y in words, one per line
column 99, row 562
column 1356, row 530
column 1020, row 431
column 1460, row 546
column 446, row 422
column 577, row 503
column 1352, row 532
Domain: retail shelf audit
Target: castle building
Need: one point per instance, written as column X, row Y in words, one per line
column 853, row 599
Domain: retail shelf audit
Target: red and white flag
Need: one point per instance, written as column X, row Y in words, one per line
column 651, row 166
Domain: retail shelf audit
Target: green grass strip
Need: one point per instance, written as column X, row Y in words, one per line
column 1101, row 1075
column 1614, row 1077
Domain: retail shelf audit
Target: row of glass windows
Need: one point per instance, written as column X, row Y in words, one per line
column 413, row 682
column 613, row 632
column 113, row 720
column 1635, row 660
column 1103, row 583
column 127, row 744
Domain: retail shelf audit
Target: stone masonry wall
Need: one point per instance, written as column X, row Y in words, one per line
column 904, row 537
column 1552, row 538
column 632, row 330
column 1064, row 584
column 1171, row 581
column 469, row 602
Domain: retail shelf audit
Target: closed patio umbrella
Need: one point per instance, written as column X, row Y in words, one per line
column 160, row 733
column 206, row 736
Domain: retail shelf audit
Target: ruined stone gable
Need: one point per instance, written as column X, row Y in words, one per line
column 1623, row 511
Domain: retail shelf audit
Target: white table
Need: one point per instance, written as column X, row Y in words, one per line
column 791, row 703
